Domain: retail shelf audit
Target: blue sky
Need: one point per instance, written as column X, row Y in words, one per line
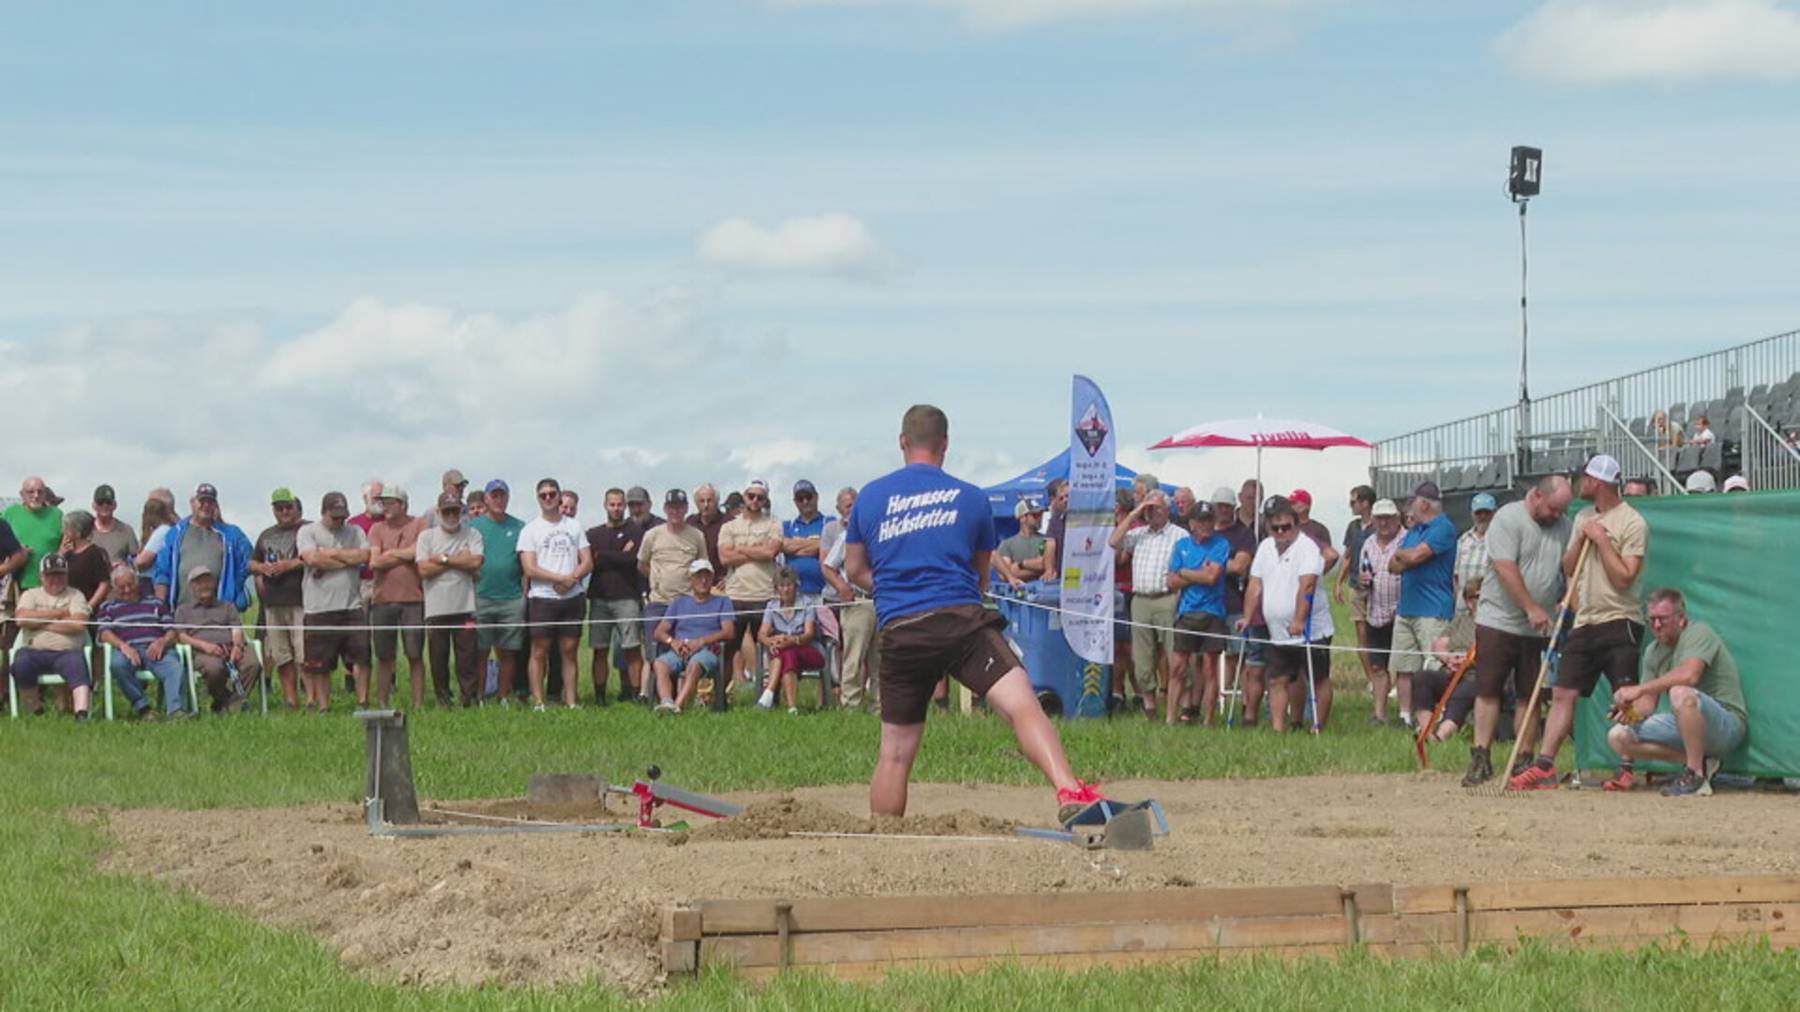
column 628, row 242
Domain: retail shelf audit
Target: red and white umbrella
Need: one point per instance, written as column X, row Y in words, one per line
column 1275, row 433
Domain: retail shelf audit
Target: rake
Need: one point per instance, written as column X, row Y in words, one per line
column 1551, row 650
column 1437, row 712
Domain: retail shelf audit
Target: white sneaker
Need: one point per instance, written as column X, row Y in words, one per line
column 766, row 700
column 667, row 706
column 539, row 708
column 793, row 711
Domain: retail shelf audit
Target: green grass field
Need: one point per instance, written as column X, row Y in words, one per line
column 82, row 938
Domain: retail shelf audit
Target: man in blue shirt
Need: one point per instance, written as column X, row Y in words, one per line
column 922, row 542
column 1426, row 562
column 1197, row 573
column 800, row 540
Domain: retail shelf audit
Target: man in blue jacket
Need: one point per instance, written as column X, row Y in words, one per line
column 202, row 539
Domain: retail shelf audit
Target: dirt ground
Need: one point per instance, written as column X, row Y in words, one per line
column 552, row 907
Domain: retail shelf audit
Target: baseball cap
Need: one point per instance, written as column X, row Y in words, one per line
column 198, row 571
column 333, row 504
column 283, row 494
column 1384, row 508
column 1275, row 503
column 700, row 566
column 734, row 500
column 1606, row 469
column 1737, row 483
column 1699, row 482
column 393, row 490
column 1201, row 515
column 804, row 487
column 1224, row 495
column 1483, row 503
column 1025, row 506
column 105, row 493
column 637, row 493
column 449, row 501
column 1300, row 495
column 674, row 497
column 1427, row 490
column 498, row 486
column 206, row 491
column 757, row 485
column 453, row 477
column 55, row 562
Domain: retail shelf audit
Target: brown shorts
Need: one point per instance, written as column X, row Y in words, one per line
column 1359, row 604
column 1200, row 632
column 323, row 647
column 1502, row 658
column 1288, row 660
column 963, row 641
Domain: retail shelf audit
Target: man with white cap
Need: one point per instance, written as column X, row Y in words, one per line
column 334, row 551
column 1736, row 483
column 1381, row 595
column 1020, row 558
column 1701, row 483
column 1472, row 547
column 690, row 637
column 1512, row 619
column 1608, row 635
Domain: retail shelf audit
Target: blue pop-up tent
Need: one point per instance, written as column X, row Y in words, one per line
column 1004, row 496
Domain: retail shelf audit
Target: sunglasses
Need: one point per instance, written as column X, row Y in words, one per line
column 550, row 495
column 755, row 497
column 286, row 506
column 1279, row 528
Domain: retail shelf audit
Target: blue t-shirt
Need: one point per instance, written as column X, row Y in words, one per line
column 692, row 620
column 1428, row 589
column 806, row 567
column 1191, row 554
column 922, row 529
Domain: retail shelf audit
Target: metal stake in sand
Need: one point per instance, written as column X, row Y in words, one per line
column 390, row 779
column 1551, row 650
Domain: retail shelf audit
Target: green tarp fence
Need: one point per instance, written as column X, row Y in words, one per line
column 1736, row 558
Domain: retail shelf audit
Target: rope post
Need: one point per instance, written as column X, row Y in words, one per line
column 1462, row 920
column 1352, row 918
column 784, row 920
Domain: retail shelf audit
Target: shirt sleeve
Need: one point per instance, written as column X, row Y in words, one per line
column 1634, row 542
column 1312, row 561
column 1260, row 562
column 9, row 542
column 853, row 531
column 1700, row 642
column 1442, row 539
column 1503, row 542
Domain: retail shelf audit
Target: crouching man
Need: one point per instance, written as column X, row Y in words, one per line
column 1706, row 719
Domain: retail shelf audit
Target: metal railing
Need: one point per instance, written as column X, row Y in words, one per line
column 1658, row 407
column 1634, row 457
column 1770, row 459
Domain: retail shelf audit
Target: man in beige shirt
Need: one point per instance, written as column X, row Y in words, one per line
column 1609, row 618
column 748, row 546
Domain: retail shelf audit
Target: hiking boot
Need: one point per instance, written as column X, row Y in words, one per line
column 1625, row 781
column 1071, row 802
column 81, row 717
column 147, row 715
column 1481, row 770
column 1533, row 778
column 1688, row 784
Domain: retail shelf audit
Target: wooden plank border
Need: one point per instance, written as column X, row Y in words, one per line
column 862, row 937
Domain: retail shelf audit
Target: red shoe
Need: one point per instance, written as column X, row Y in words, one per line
column 1071, row 802
column 1623, row 782
column 1533, row 778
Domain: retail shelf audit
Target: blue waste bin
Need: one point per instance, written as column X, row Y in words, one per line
column 1064, row 681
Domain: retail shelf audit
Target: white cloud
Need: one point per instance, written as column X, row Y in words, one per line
column 1006, row 14
column 1607, row 41
column 835, row 245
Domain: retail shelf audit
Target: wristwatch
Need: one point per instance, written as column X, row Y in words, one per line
column 444, row 559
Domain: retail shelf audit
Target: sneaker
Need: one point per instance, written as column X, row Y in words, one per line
column 1624, row 781
column 667, row 706
column 1481, row 770
column 793, row 711
column 1071, row 802
column 539, row 708
column 146, row 715
column 1533, row 778
column 766, row 700
column 1688, row 784
column 186, row 714
column 1523, row 764
column 81, row 717
column 1709, row 768
column 1377, row 721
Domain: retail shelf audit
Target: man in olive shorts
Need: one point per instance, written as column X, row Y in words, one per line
column 922, row 541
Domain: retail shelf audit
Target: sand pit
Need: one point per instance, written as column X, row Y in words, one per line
column 553, row 907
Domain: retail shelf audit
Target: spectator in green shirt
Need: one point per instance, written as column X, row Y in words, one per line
column 500, row 589
column 1706, row 719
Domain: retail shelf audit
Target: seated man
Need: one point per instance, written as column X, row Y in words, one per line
column 214, row 631
column 1706, row 719
column 52, row 619
column 1020, row 558
column 1447, row 651
column 140, row 630
column 691, row 634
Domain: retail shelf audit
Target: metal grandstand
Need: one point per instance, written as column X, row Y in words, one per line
column 1750, row 395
